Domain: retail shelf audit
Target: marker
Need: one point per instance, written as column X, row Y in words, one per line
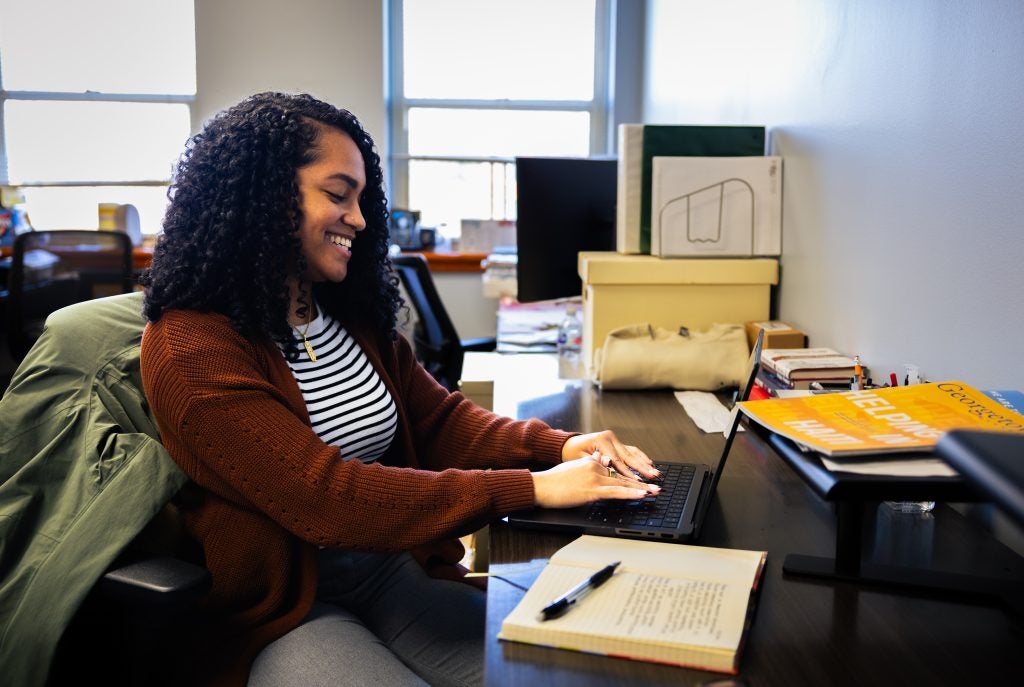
column 559, row 606
column 858, row 374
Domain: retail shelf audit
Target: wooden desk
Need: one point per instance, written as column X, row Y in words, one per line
column 804, row 632
column 446, row 261
column 142, row 256
column 439, row 262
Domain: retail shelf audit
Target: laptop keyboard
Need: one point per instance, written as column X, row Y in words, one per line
column 665, row 510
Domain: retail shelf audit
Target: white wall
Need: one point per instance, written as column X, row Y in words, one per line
column 333, row 49
column 902, row 128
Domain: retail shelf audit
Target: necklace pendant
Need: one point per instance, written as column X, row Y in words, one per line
column 309, row 349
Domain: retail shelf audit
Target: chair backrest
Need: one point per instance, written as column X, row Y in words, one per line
column 52, row 269
column 435, row 340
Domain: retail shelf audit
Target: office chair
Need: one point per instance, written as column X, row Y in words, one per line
column 437, row 344
column 52, row 269
column 92, row 544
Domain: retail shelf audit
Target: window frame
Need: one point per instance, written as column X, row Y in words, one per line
column 187, row 99
column 600, row 107
column 88, row 96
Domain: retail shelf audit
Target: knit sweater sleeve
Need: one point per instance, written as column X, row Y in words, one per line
column 450, row 431
column 238, row 435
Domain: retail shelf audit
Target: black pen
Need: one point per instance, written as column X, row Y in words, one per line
column 560, row 605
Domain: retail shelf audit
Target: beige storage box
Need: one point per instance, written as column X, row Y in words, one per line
column 619, row 290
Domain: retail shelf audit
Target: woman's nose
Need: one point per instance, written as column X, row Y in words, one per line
column 354, row 218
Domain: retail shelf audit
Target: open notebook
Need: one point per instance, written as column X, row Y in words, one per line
column 676, row 514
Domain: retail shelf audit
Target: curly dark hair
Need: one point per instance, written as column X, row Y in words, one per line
column 230, row 233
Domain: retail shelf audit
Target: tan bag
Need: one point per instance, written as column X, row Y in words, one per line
column 642, row 356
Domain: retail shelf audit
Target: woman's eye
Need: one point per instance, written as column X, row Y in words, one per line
column 335, row 197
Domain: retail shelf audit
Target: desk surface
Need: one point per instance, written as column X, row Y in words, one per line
column 804, row 632
column 142, row 256
column 439, row 261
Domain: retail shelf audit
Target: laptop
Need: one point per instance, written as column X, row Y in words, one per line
column 676, row 514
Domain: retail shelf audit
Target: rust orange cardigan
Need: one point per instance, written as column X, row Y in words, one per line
column 266, row 492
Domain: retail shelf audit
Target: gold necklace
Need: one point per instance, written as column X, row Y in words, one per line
column 305, row 341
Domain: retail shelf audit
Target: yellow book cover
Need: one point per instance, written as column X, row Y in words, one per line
column 888, row 419
column 665, row 603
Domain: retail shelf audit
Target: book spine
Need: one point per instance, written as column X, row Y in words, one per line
column 627, row 225
column 771, row 382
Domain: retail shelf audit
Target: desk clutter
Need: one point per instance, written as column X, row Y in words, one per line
column 806, row 629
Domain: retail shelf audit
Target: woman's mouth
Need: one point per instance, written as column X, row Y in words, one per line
column 339, row 240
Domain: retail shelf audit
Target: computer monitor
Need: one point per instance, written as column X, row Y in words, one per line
column 564, row 206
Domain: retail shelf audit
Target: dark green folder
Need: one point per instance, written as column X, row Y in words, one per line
column 694, row 141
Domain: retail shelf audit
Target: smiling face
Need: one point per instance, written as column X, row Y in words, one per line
column 329, row 191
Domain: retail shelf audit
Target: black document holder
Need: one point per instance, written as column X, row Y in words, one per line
column 852, row 494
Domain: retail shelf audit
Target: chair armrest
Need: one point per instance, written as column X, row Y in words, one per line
column 483, row 343
column 157, row 581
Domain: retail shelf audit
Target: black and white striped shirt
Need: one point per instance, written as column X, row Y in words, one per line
column 347, row 401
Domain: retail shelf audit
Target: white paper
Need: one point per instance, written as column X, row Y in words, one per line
column 919, row 467
column 706, row 411
column 716, row 206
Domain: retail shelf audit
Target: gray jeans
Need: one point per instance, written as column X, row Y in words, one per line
column 380, row 621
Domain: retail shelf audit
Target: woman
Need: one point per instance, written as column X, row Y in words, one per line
column 329, row 473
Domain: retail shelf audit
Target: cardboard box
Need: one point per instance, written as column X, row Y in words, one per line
column 776, row 335
column 620, row 290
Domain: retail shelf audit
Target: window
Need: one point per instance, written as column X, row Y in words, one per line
column 474, row 84
column 95, row 101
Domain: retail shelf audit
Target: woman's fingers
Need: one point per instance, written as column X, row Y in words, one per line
column 585, row 480
column 632, row 462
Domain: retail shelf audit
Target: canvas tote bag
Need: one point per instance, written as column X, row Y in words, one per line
column 642, row 356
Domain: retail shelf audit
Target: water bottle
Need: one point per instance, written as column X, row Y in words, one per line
column 570, row 333
column 6, row 227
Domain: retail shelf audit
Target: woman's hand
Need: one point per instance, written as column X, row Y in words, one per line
column 625, row 460
column 584, row 480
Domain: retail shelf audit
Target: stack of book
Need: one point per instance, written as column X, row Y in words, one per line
column 798, row 368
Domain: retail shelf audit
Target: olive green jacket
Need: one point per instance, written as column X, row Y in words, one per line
column 82, row 471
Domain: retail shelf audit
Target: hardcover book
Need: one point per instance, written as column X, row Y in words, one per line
column 793, row 364
column 666, row 603
column 883, row 420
